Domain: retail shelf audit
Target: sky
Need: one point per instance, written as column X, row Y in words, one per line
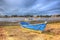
column 29, row 7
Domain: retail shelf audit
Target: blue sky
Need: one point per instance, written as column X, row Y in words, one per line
column 31, row 7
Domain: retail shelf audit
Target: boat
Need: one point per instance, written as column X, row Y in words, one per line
column 39, row 26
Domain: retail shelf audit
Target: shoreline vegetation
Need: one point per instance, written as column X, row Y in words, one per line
column 6, row 16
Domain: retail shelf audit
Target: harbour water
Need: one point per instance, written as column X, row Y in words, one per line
column 29, row 19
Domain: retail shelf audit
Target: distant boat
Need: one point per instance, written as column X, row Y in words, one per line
column 40, row 27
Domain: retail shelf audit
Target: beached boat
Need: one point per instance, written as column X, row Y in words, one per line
column 40, row 26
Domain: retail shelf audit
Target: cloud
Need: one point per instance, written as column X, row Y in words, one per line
column 32, row 7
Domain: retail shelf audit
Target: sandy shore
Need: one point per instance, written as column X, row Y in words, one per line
column 18, row 33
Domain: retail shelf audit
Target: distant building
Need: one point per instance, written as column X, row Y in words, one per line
column 55, row 16
column 34, row 15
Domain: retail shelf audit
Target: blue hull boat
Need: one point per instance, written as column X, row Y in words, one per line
column 40, row 27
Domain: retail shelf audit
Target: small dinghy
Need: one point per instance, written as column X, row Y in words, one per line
column 40, row 26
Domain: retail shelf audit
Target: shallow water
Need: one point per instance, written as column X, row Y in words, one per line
column 22, row 19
